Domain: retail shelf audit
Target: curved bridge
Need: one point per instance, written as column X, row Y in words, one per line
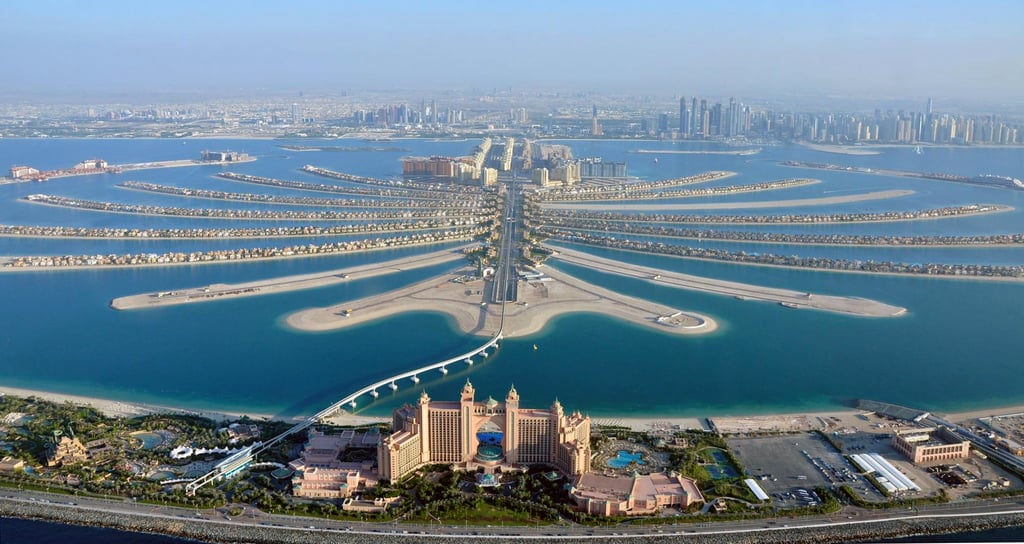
column 241, row 460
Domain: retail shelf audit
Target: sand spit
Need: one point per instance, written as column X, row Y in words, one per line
column 619, row 205
column 841, row 149
column 539, row 301
column 742, row 291
column 220, row 291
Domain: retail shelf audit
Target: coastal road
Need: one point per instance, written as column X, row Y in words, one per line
column 160, row 518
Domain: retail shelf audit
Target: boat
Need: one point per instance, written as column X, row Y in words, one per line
column 789, row 305
column 918, row 150
column 535, row 347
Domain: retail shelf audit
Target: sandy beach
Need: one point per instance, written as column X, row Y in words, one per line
column 825, row 420
column 539, row 302
column 618, row 205
column 841, row 149
column 742, row 291
column 130, row 409
column 220, row 291
column 117, row 408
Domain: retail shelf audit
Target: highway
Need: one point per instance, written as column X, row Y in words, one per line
column 65, row 507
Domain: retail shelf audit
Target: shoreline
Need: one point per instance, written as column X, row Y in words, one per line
column 801, row 268
column 731, row 421
column 822, row 244
column 181, row 523
column 78, row 268
column 538, row 303
column 794, row 203
column 743, row 291
column 840, row 149
column 220, row 291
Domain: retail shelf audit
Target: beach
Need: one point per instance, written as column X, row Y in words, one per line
column 841, row 149
column 742, row 291
column 875, row 195
column 220, row 291
column 538, row 302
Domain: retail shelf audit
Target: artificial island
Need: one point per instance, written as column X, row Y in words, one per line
column 433, row 463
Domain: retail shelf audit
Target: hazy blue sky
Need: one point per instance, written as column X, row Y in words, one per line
column 864, row 48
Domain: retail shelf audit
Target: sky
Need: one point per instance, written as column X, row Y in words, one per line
column 866, row 48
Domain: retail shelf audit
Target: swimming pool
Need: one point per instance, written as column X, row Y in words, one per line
column 149, row 440
column 624, row 458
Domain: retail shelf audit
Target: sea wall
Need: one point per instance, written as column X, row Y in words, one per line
column 225, row 532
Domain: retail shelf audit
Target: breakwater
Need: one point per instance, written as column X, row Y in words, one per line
column 786, row 219
column 786, row 238
column 344, row 149
column 449, row 203
column 235, row 255
column 187, row 526
column 795, row 261
column 681, row 193
column 272, row 215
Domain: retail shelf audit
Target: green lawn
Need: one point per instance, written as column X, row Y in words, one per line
column 484, row 514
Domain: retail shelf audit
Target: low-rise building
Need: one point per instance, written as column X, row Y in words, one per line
column 66, row 451
column 237, row 432
column 930, row 444
column 634, row 496
column 20, row 172
column 10, row 464
column 321, row 474
column 90, row 164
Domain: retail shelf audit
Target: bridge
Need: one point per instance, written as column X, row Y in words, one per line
column 239, row 461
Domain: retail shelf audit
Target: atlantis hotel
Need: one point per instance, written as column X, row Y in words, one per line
column 468, row 434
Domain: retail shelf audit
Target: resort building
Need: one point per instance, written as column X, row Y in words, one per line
column 18, row 172
column 926, row 445
column 10, row 464
column 65, row 451
column 467, row 434
column 634, row 496
column 320, row 472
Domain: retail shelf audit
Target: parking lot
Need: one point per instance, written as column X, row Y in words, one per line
column 783, row 465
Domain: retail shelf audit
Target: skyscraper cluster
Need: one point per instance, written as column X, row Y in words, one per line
column 699, row 120
column 395, row 115
column 906, row 127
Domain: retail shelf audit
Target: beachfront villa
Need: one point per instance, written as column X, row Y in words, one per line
column 469, row 435
column 321, row 474
column 638, row 495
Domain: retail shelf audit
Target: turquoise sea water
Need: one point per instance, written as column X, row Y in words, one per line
column 958, row 347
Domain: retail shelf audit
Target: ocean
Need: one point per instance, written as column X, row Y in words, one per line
column 957, row 348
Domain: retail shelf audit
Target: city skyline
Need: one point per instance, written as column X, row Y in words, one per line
column 795, row 49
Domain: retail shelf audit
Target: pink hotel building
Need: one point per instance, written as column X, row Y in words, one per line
column 468, row 434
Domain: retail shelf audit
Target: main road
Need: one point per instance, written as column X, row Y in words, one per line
column 503, row 289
